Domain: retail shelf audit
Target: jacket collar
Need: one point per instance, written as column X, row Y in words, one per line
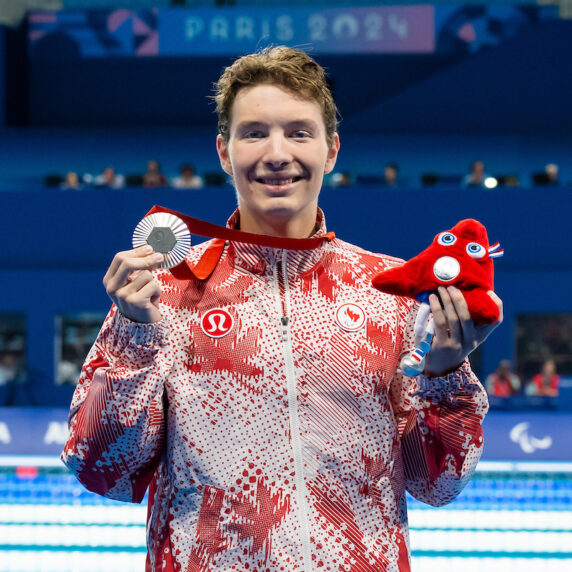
column 258, row 259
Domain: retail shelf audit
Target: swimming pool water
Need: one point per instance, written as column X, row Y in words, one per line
column 509, row 521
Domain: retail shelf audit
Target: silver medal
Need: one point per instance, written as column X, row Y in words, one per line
column 167, row 234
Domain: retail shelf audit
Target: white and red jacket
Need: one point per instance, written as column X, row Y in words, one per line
column 266, row 416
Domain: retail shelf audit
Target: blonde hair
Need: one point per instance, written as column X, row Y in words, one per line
column 289, row 68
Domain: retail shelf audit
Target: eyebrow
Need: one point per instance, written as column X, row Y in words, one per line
column 293, row 123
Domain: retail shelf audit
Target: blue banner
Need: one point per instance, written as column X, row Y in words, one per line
column 33, row 430
column 528, row 436
column 375, row 29
column 152, row 32
column 522, row 436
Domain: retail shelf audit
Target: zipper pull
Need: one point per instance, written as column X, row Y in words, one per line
column 284, row 320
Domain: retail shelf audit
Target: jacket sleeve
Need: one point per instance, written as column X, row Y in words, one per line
column 117, row 420
column 440, row 428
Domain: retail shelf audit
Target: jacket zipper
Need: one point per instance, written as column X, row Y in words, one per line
column 281, row 276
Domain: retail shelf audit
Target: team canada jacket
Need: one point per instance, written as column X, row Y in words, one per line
column 266, row 417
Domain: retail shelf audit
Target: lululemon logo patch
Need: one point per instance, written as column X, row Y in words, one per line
column 350, row 317
column 217, row 323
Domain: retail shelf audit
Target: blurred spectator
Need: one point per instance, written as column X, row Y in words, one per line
column 109, row 179
column 11, row 374
column 548, row 177
column 69, row 367
column 508, row 180
column 9, row 370
column 551, row 171
column 340, row 179
column 71, row 181
column 188, row 179
column 546, row 382
column 153, row 176
column 390, row 175
column 503, row 382
column 477, row 175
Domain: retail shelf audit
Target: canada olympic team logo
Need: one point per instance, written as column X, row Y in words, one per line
column 350, row 317
column 217, row 323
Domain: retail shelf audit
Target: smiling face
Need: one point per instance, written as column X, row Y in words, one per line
column 277, row 154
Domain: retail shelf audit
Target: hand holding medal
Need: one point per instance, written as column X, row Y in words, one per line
column 162, row 240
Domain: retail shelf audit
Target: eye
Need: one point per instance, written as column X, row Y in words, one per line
column 446, row 238
column 253, row 135
column 475, row 250
column 299, row 134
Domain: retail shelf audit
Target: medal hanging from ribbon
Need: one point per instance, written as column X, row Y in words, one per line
column 169, row 233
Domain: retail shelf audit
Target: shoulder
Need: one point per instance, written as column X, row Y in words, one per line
column 370, row 259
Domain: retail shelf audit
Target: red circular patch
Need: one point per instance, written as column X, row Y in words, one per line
column 217, row 323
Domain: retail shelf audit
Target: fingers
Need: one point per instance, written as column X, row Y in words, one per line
column 485, row 330
column 468, row 334
column 131, row 286
column 144, row 250
column 455, row 332
column 499, row 304
column 151, row 291
column 134, row 284
column 124, row 264
column 444, row 308
column 453, row 320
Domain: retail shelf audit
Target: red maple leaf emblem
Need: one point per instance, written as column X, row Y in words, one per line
column 354, row 317
column 251, row 517
column 336, row 511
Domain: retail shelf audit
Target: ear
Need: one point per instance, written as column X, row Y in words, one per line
column 223, row 154
column 332, row 154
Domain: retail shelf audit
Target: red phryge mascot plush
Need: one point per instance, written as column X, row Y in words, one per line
column 459, row 257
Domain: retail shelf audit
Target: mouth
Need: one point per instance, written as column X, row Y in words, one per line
column 277, row 181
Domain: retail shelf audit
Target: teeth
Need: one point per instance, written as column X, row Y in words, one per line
column 277, row 181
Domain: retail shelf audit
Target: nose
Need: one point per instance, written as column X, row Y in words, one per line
column 277, row 153
column 446, row 268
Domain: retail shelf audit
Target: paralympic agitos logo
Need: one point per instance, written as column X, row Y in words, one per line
column 529, row 444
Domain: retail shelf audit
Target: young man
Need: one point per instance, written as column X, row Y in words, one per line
column 262, row 405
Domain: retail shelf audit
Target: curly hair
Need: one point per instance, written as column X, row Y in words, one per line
column 289, row 68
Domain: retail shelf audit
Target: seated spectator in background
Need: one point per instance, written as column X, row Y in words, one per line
column 551, row 171
column 69, row 366
column 11, row 374
column 546, row 382
column 390, row 175
column 477, row 176
column 188, row 179
column 71, row 181
column 9, row 370
column 339, row 179
column 503, row 382
column 505, row 181
column 153, row 176
column 547, row 177
column 110, row 179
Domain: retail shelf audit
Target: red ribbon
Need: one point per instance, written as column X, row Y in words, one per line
column 211, row 256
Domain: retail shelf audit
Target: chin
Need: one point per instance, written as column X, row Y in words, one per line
column 279, row 213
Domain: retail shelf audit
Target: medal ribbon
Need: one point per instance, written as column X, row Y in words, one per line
column 211, row 256
column 210, row 230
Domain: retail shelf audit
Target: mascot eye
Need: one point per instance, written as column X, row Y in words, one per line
column 446, row 238
column 475, row 250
